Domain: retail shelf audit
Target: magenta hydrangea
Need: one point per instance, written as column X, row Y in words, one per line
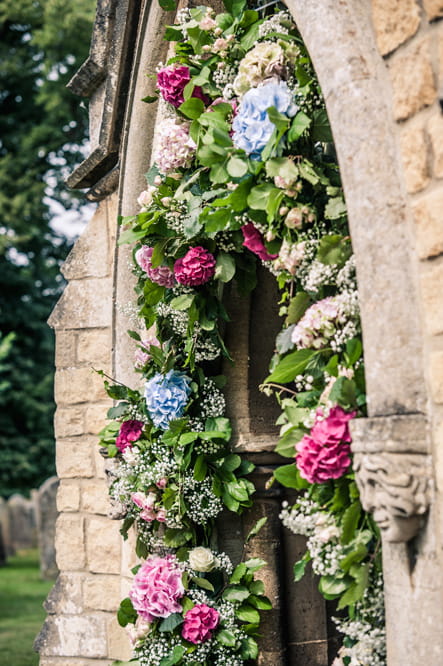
column 130, row 431
column 325, row 453
column 157, row 588
column 162, row 275
column 171, row 82
column 195, row 268
column 199, row 623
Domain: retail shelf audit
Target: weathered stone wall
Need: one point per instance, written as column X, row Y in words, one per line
column 381, row 68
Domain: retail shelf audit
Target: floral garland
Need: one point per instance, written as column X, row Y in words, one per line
column 245, row 171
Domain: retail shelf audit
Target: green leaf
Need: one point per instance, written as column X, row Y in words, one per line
column 355, row 556
column 200, row 468
column 299, row 124
column 261, row 602
column 226, row 637
column 343, row 393
column 118, row 410
column 353, row 350
column 334, row 249
column 350, row 522
column 286, row 444
column 204, row 583
column 332, row 586
column 321, row 129
column 175, row 537
column 130, row 236
column 152, row 292
column 126, row 613
column 300, row 567
column 297, row 307
column 175, row 657
column 249, row 648
column 335, row 208
column 225, row 267
column 237, row 167
column 238, row 573
column 278, row 119
column 247, row 613
column 236, row 593
column 192, row 108
column 171, row 622
column 235, row 7
column 259, row 196
column 150, row 98
column 237, row 491
column 232, row 462
column 255, row 563
column 290, row 366
column 256, row 528
column 356, row 590
column 289, row 476
column 182, row 302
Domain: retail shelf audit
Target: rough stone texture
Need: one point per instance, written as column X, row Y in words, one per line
column 76, row 304
column 46, row 518
column 118, row 644
column 103, row 545
column 74, row 457
column 102, row 592
column 74, row 636
column 66, row 595
column 95, row 417
column 68, row 496
column 412, row 79
column 434, row 8
column 435, row 130
column 94, row 496
column 432, row 296
column 76, row 385
column 65, row 346
column 436, row 376
column 415, row 160
column 90, row 256
column 94, row 346
column 428, row 224
column 69, row 542
column 395, row 21
column 68, row 421
column 22, row 522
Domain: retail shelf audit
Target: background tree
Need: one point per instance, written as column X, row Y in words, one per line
column 43, row 128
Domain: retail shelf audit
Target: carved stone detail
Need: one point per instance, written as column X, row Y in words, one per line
column 393, row 472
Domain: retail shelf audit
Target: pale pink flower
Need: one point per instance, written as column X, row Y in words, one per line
column 175, row 147
column 162, row 483
column 207, row 23
column 161, row 515
column 142, row 356
column 157, row 588
column 161, row 275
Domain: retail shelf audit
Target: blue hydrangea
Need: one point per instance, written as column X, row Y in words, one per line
column 166, row 397
column 252, row 127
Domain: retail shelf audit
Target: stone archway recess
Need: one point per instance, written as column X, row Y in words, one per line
column 401, row 387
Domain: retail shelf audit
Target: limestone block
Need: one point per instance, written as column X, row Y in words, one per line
column 69, row 542
column 99, row 463
column 56, row 661
column 94, row 346
column 90, row 256
column 94, row 496
column 22, row 522
column 395, row 21
column 438, row 455
column 74, row 457
column 65, row 345
column 102, row 592
column 95, row 416
column 415, row 159
column 66, row 595
column 435, row 131
column 68, row 421
column 436, row 376
column 432, row 295
column 434, row 8
column 103, row 545
column 118, row 642
column 428, row 223
column 84, row 304
column 76, row 385
column 74, row 636
column 129, row 557
column 68, row 496
column 46, row 518
column 412, row 79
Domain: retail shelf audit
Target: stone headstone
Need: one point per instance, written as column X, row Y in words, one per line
column 5, row 529
column 46, row 517
column 22, row 522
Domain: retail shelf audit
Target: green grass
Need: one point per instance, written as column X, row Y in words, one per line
column 22, row 593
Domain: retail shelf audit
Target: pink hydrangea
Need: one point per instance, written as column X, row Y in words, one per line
column 130, row 431
column 325, row 453
column 199, row 623
column 157, row 588
column 253, row 240
column 175, row 148
column 195, row 268
column 162, row 275
column 171, row 82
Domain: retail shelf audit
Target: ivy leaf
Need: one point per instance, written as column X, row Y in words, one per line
column 321, row 129
column 289, row 476
column 171, row 622
column 225, row 267
column 297, row 307
column 290, row 366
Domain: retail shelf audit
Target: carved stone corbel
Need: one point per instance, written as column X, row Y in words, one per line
column 393, row 472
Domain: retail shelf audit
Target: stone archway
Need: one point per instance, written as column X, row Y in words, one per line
column 404, row 372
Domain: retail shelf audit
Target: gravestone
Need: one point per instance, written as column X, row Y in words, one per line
column 4, row 527
column 46, row 515
column 22, row 522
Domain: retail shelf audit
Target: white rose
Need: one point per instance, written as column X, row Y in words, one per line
column 202, row 559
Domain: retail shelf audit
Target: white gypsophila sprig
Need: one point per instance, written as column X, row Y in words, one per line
column 201, row 502
column 155, row 648
column 212, row 402
column 275, row 24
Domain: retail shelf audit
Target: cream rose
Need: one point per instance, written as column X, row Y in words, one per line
column 202, row 559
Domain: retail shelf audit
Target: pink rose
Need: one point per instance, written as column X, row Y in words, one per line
column 171, row 82
column 161, row 275
column 253, row 240
column 195, row 268
column 141, row 356
column 130, row 431
column 157, row 588
column 146, row 503
column 324, row 454
column 199, row 623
